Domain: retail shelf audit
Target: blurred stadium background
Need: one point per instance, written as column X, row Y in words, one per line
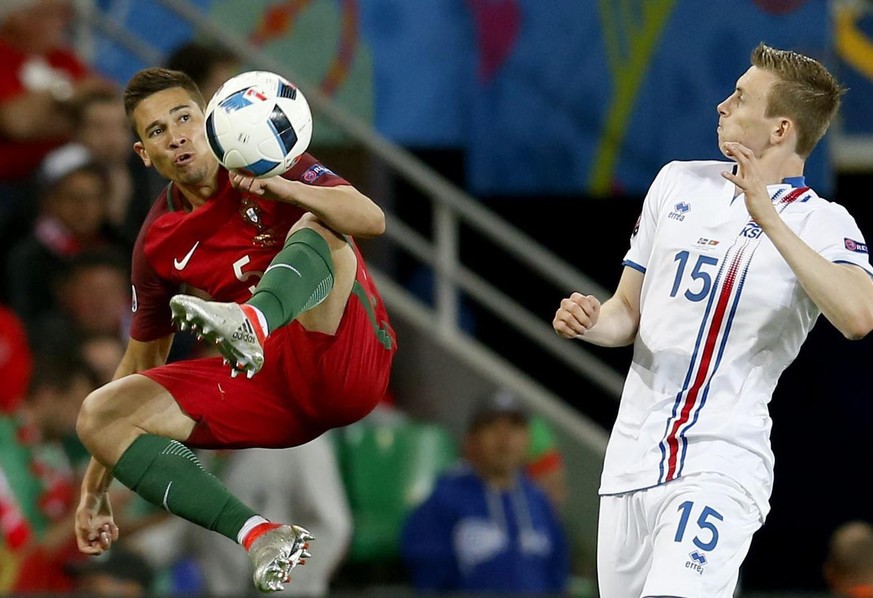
column 511, row 143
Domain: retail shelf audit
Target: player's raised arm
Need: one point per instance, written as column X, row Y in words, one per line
column 844, row 293
column 342, row 208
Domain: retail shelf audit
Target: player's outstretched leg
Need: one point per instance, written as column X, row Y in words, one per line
column 299, row 278
column 275, row 550
column 168, row 474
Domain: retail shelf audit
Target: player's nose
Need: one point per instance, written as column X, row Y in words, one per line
column 177, row 138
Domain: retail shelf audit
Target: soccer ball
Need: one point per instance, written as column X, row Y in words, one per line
column 258, row 123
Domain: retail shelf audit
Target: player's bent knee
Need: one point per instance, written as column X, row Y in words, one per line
column 312, row 222
column 100, row 409
column 90, row 416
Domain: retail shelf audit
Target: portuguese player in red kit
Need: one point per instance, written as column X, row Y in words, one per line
column 292, row 307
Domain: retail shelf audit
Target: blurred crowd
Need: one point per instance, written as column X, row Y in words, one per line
column 72, row 198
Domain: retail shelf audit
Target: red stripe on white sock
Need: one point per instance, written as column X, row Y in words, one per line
column 255, row 321
column 257, row 532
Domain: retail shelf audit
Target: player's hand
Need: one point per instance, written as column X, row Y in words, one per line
column 95, row 527
column 275, row 188
column 748, row 179
column 577, row 314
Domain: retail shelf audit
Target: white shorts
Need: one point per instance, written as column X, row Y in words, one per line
column 685, row 538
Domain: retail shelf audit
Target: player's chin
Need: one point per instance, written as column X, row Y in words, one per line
column 190, row 174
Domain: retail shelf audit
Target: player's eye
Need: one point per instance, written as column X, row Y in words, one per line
column 155, row 132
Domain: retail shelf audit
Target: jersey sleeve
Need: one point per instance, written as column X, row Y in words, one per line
column 151, row 295
column 643, row 236
column 835, row 235
column 312, row 172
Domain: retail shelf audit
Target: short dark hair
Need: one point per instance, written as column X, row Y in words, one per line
column 152, row 80
column 197, row 59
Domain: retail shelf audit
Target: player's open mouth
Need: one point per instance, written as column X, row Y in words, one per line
column 183, row 159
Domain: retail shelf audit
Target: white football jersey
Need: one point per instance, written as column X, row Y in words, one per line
column 722, row 316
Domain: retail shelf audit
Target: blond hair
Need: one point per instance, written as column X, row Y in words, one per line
column 806, row 93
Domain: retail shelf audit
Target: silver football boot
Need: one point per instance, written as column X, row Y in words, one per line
column 275, row 553
column 224, row 324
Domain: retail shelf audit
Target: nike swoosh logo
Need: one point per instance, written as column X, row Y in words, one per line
column 180, row 264
column 167, row 491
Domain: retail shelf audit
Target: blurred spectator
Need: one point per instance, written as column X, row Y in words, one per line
column 487, row 527
column 545, row 462
column 103, row 352
column 41, row 463
column 92, row 299
column 303, row 484
column 72, row 218
column 848, row 567
column 41, row 76
column 15, row 360
column 118, row 573
column 39, row 476
column 100, row 125
column 209, row 65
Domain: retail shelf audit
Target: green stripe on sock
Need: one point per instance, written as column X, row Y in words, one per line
column 167, row 474
column 298, row 279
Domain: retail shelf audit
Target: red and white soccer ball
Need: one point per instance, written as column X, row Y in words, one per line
column 258, row 123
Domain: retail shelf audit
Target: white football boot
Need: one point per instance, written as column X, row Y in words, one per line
column 275, row 553
column 225, row 325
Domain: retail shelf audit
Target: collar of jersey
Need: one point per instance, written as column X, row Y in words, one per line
column 795, row 181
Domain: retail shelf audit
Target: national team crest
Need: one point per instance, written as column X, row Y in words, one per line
column 251, row 213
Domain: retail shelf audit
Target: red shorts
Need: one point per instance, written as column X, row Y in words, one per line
column 310, row 382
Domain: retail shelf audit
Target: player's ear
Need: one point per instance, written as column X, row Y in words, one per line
column 783, row 130
column 142, row 153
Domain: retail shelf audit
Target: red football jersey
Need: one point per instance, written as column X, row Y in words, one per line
column 221, row 248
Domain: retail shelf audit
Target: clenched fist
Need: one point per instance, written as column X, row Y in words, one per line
column 577, row 314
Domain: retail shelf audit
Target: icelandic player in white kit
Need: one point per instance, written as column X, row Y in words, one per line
column 729, row 267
